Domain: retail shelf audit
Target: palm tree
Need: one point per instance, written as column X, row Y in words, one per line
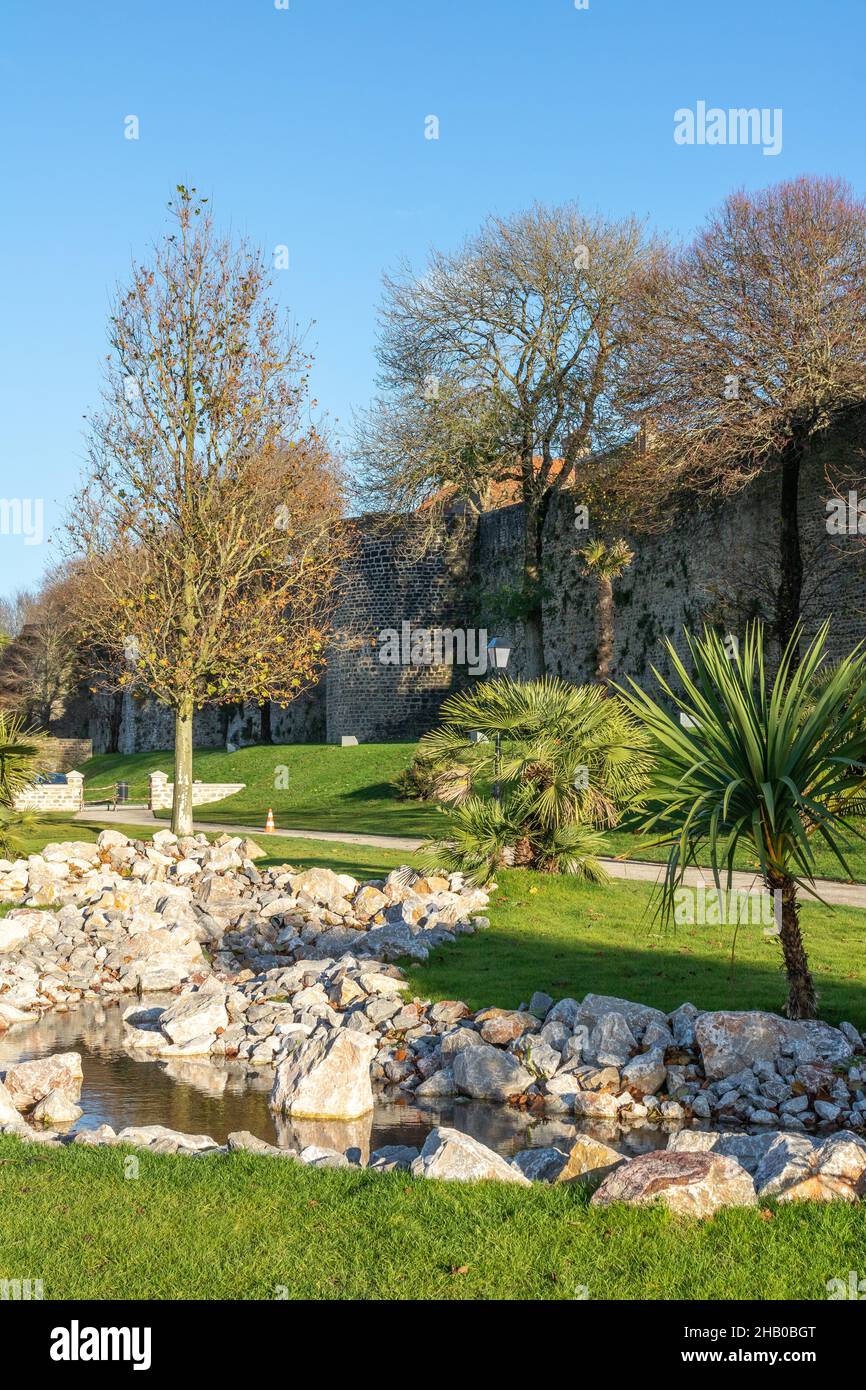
column 19, row 763
column 606, row 563
column 776, row 766
column 571, row 758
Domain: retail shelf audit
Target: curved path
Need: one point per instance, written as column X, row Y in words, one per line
column 644, row 871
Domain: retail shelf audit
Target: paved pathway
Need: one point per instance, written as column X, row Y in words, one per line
column 136, row 815
column 831, row 891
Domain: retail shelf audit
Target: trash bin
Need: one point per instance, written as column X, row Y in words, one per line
column 121, row 791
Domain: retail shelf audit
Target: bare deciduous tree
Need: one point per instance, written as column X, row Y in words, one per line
column 40, row 665
column 748, row 343
column 524, row 322
column 207, row 522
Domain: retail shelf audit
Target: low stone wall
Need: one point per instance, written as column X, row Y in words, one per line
column 63, row 754
column 53, row 796
column 161, row 791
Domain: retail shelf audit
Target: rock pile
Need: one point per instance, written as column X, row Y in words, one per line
column 122, row 915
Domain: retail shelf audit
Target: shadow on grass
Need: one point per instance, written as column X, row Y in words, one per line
column 503, row 966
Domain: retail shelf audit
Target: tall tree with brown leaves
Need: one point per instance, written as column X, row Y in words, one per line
column 207, row 528
column 749, row 342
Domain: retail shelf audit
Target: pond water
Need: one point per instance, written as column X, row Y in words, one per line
column 199, row 1097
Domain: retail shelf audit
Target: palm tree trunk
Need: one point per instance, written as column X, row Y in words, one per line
column 523, row 857
column 605, row 630
column 533, row 622
column 802, row 1001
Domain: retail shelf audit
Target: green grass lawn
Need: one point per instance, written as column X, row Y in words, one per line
column 630, row 846
column 311, row 786
column 242, row 1227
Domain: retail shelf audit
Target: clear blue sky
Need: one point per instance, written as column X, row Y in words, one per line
column 305, row 126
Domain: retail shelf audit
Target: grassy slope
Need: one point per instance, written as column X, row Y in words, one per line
column 240, row 1227
column 329, row 788
column 311, row 786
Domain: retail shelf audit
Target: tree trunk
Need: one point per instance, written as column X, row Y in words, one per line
column 114, row 723
column 265, row 730
column 789, row 599
column 181, row 806
column 605, row 630
column 533, row 626
column 523, row 857
column 802, row 1001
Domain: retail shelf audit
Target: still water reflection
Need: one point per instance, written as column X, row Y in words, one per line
column 198, row 1097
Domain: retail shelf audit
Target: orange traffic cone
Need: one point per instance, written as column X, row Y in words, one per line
column 269, row 823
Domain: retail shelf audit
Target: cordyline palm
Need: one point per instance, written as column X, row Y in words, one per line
column 570, row 758
column 776, row 766
column 605, row 563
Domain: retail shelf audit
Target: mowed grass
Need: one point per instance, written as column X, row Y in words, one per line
column 309, row 786
column 625, row 844
column 317, row 786
column 242, row 1227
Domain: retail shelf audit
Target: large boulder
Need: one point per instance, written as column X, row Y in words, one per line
column 502, row 1026
column 486, row 1073
column 57, row 1108
column 29, row 1082
column 797, row 1168
column 326, row 1077
column 164, row 1140
column 594, row 1007
column 689, row 1184
column 194, row 1016
column 8, row 1109
column 541, row 1165
column 611, row 1041
column 645, row 1073
column 13, row 933
column 331, row 890
column 589, row 1161
column 448, row 1153
column 748, row 1149
column 732, row 1041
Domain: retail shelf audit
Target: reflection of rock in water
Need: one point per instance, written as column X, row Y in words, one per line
column 211, row 1081
column 126, row 1088
column 326, row 1134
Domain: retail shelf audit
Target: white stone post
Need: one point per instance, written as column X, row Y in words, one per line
column 158, row 791
column 75, row 783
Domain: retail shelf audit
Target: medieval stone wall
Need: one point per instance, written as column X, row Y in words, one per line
column 715, row 563
column 400, row 575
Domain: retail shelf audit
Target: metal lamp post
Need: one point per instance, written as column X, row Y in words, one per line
column 497, row 657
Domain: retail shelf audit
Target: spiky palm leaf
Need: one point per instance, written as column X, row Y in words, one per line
column 19, row 757
column 766, row 765
column 479, row 836
column 551, row 730
column 13, row 833
column 761, row 764
column 606, row 560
